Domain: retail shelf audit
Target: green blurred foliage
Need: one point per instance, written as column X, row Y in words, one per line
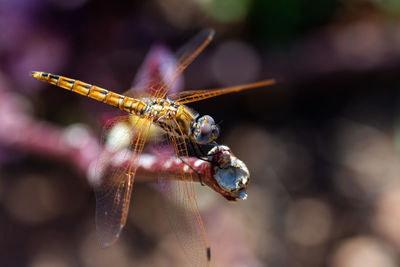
column 286, row 20
column 390, row 6
column 228, row 11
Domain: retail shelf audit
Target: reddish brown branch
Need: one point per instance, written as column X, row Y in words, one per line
column 78, row 146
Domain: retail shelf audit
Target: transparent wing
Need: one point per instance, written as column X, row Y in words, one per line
column 197, row 95
column 160, row 80
column 114, row 188
column 182, row 209
column 117, row 132
column 158, row 65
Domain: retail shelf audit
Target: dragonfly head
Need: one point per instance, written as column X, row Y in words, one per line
column 204, row 130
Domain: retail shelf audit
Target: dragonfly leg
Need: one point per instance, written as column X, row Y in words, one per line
column 196, row 152
column 194, row 170
column 207, row 154
column 202, row 156
column 201, row 150
column 214, row 154
column 196, row 148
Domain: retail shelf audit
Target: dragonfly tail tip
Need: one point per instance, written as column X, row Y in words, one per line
column 208, row 254
column 34, row 74
column 277, row 80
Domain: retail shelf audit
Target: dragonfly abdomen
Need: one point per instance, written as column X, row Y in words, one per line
column 125, row 103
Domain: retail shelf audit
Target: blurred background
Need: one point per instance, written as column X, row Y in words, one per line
column 322, row 146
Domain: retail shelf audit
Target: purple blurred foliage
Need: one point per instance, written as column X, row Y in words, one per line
column 44, row 51
column 158, row 66
column 67, row 5
column 323, row 138
column 21, row 7
column 25, row 46
column 9, row 115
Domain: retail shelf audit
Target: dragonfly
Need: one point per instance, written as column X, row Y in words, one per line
column 182, row 126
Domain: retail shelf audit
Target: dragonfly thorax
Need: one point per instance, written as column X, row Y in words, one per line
column 171, row 116
column 161, row 108
column 178, row 119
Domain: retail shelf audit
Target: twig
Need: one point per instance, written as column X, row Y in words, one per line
column 77, row 145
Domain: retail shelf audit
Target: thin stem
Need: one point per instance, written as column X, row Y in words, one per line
column 80, row 147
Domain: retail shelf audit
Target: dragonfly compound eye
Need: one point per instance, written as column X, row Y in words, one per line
column 206, row 130
column 215, row 131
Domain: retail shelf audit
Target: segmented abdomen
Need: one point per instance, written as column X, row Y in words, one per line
column 125, row 103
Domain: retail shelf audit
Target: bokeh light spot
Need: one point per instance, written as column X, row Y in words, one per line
column 308, row 222
column 228, row 11
column 33, row 200
column 387, row 214
column 362, row 251
column 235, row 62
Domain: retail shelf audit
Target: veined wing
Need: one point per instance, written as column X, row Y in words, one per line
column 197, row 95
column 158, row 65
column 186, row 221
column 113, row 191
column 159, row 84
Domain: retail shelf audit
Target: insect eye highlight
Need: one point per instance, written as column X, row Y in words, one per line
column 206, row 130
column 215, row 131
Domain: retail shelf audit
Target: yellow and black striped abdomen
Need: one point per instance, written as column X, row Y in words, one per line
column 128, row 104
